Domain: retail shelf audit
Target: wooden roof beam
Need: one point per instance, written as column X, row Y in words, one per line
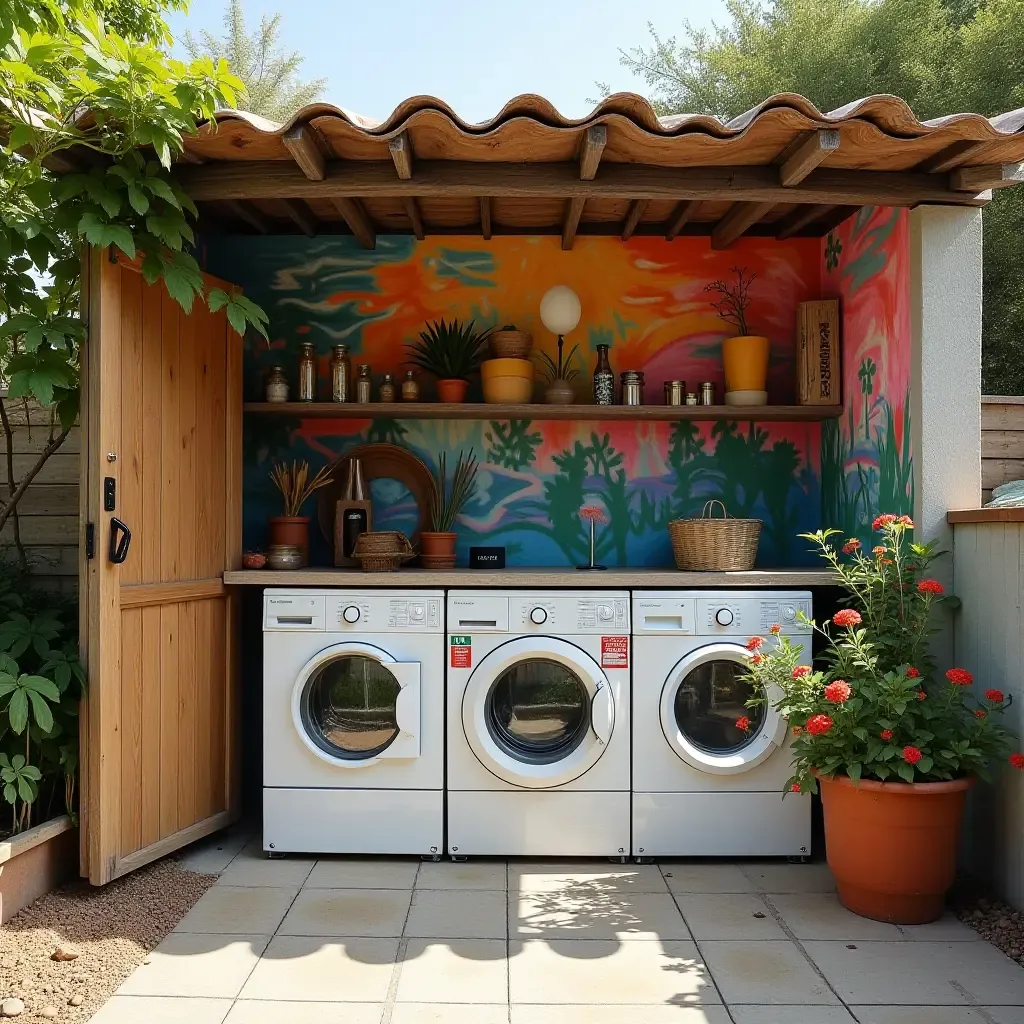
column 573, row 212
column 949, row 157
column 303, row 142
column 680, row 215
column 412, row 211
column 301, row 215
column 485, row 216
column 799, row 218
column 805, row 153
column 736, row 221
column 356, row 218
column 976, row 179
column 400, row 148
column 248, row 213
column 636, row 211
column 591, row 147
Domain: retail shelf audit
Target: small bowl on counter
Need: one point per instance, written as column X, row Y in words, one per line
column 284, row 556
column 254, row 560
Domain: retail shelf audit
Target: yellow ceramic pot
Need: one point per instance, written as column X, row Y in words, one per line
column 507, row 390
column 746, row 362
column 507, row 368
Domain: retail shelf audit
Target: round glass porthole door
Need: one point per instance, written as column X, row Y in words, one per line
column 704, row 698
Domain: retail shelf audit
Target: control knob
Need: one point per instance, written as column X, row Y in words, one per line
column 538, row 616
column 351, row 614
column 724, row 616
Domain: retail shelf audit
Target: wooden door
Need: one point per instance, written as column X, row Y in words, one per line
column 162, row 418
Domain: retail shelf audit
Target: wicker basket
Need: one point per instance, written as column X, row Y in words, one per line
column 382, row 550
column 509, row 343
column 707, row 544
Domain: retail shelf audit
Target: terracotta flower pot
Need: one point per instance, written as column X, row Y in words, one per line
column 892, row 845
column 452, row 390
column 293, row 530
column 745, row 359
column 437, row 550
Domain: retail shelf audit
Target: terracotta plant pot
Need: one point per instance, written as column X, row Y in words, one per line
column 437, row 550
column 745, row 359
column 452, row 390
column 892, row 845
column 559, row 392
column 291, row 530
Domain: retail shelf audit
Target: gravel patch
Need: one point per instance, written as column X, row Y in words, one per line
column 998, row 922
column 112, row 929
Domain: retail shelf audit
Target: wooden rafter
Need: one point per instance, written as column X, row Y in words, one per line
column 307, row 151
column 680, row 215
column 740, row 217
column 636, row 211
column 485, row 216
column 834, row 218
column 248, row 213
column 806, row 153
column 573, row 212
column 591, row 147
column 949, row 157
column 975, row 179
column 412, row 211
column 799, row 218
column 357, row 220
column 301, row 215
column 275, row 179
column 400, row 148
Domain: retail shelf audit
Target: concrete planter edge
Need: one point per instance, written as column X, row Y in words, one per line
column 36, row 861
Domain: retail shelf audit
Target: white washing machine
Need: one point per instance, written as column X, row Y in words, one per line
column 353, row 721
column 538, row 723
column 701, row 786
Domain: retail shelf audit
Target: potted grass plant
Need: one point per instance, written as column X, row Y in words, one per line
column 744, row 356
column 452, row 352
column 437, row 546
column 293, row 482
column 892, row 743
column 560, row 375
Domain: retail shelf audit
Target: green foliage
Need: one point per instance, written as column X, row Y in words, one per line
column 446, row 503
column 512, row 445
column 568, row 370
column 270, row 86
column 449, row 350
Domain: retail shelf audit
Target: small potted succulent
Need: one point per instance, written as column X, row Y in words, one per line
column 892, row 744
column 559, row 376
column 437, row 546
column 293, row 481
column 451, row 352
column 744, row 356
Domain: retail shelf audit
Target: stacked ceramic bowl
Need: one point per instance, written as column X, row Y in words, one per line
column 508, row 377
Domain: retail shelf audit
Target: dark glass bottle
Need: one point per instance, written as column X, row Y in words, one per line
column 604, row 379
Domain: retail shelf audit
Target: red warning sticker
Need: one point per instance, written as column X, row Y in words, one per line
column 461, row 649
column 615, row 652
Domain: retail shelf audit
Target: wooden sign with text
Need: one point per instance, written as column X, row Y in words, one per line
column 818, row 366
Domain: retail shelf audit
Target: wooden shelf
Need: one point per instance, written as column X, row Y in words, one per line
column 537, row 411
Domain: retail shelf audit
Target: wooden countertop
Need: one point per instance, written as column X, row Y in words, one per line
column 623, row 579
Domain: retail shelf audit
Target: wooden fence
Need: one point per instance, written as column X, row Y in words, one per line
column 1002, row 441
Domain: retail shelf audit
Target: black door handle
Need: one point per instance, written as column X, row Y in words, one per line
column 119, row 544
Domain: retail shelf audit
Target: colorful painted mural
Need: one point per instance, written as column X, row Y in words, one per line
column 866, row 456
column 644, row 298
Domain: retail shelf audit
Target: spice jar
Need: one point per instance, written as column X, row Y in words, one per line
column 410, row 387
column 632, row 387
column 341, row 370
column 675, row 392
column 387, row 391
column 277, row 385
column 364, row 384
column 691, row 398
column 707, row 393
column 604, row 379
column 307, row 373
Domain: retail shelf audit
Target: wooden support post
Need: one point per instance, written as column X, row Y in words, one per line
column 573, row 212
column 248, row 213
column 680, row 215
column 736, row 221
column 799, row 218
column 591, row 147
column 485, row 216
column 949, row 157
column 977, row 179
column 302, row 216
column 636, row 211
column 401, row 153
column 356, row 218
column 800, row 158
column 412, row 211
column 303, row 143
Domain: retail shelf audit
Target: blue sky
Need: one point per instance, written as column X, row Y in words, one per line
column 475, row 55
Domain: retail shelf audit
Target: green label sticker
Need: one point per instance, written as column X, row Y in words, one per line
column 462, row 641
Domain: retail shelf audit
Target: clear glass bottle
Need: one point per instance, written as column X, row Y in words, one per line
column 341, row 371
column 364, row 384
column 410, row 387
column 387, row 392
column 604, row 379
column 307, row 373
column 277, row 385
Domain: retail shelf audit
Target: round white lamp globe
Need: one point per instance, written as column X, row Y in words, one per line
column 560, row 309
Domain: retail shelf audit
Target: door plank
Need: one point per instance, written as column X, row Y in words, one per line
column 152, row 403
column 205, row 699
column 168, row 720
column 130, row 471
column 151, row 730
column 171, row 593
column 131, row 731
column 187, row 711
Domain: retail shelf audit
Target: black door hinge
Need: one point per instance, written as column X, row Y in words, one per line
column 90, row 540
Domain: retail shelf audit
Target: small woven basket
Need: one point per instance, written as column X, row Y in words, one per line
column 708, row 544
column 509, row 343
column 382, row 550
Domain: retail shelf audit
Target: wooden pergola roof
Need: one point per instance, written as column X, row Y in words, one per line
column 782, row 169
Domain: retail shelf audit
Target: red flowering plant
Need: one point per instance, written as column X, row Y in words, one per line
column 876, row 707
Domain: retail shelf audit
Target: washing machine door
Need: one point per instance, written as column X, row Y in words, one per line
column 353, row 704
column 538, row 712
column 704, row 696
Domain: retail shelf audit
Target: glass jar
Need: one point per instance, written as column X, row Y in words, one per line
column 307, row 373
column 604, row 379
column 410, row 387
column 341, row 370
column 364, row 384
column 277, row 385
column 387, row 392
column 632, row 387
column 675, row 392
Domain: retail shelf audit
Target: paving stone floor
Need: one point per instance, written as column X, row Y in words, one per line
column 392, row 941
